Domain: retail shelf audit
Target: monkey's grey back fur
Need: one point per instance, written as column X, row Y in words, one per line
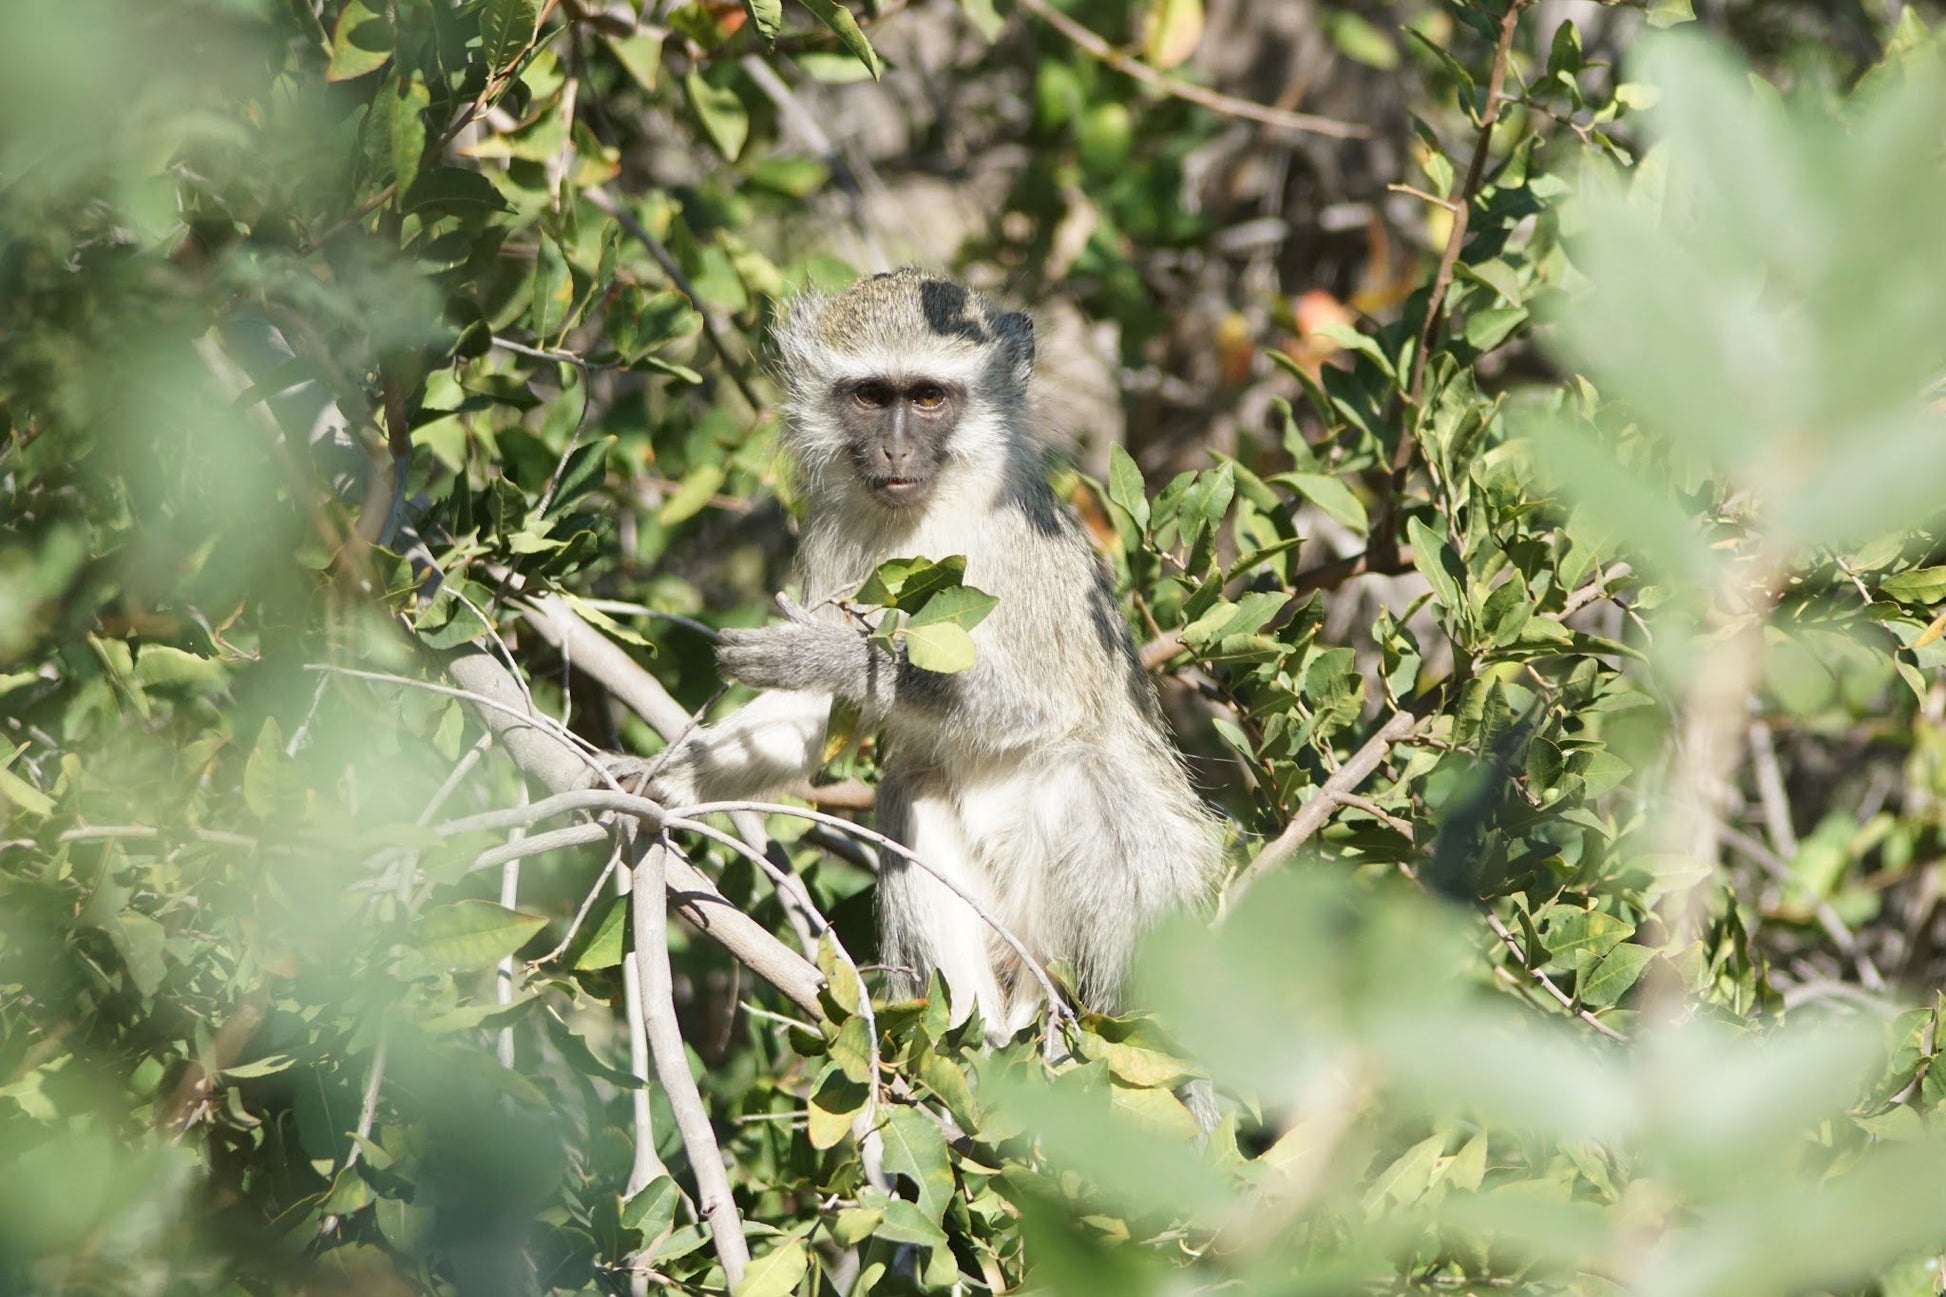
column 1043, row 779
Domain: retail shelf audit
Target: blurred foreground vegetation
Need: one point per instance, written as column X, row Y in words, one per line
column 1517, row 431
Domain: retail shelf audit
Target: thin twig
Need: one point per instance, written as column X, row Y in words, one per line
column 1546, row 983
column 539, row 843
column 606, row 202
column 1313, row 814
column 1828, row 919
column 1595, row 589
column 798, row 898
column 558, row 357
column 581, row 914
column 1177, row 88
column 1442, row 281
column 1770, row 791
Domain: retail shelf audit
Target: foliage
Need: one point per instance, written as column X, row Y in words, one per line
column 1557, row 623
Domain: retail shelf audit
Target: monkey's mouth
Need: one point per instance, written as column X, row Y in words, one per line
column 900, row 490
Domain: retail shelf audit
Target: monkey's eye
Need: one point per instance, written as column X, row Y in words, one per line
column 875, row 396
column 929, row 396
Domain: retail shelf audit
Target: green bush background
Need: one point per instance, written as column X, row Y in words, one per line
column 1524, row 475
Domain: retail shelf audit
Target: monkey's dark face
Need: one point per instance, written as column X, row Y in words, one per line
column 896, row 431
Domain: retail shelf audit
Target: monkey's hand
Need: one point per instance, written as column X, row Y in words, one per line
column 668, row 778
column 809, row 655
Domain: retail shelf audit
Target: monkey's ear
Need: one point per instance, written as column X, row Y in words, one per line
column 1016, row 332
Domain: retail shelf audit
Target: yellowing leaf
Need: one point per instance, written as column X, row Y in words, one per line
column 776, row 1273
column 1171, row 31
column 941, row 647
column 361, row 43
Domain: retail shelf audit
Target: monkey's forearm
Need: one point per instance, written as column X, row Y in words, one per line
column 996, row 704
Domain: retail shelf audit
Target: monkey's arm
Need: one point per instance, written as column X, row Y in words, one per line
column 995, row 704
column 770, row 743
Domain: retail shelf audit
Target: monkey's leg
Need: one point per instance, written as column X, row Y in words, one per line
column 923, row 926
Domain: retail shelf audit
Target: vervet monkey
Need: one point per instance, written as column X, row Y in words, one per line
column 1042, row 779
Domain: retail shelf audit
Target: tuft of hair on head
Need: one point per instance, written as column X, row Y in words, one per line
column 902, row 321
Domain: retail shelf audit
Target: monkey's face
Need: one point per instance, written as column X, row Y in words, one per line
column 896, row 431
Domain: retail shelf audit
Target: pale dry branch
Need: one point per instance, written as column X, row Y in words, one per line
column 649, row 915
column 559, row 766
column 646, row 1167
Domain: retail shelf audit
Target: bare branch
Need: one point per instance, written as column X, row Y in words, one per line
column 648, row 906
column 646, row 1167
column 559, row 766
column 1313, row 814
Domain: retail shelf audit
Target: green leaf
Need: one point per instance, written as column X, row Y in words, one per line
column 962, row 606
column 1331, row 495
column 943, row 647
column 395, row 132
column 599, row 944
column 268, row 1065
column 839, row 19
column 360, row 43
column 1361, row 42
column 586, row 469
column 1408, row 1176
column 720, row 112
column 268, row 777
column 777, row 1272
column 506, row 29
column 1438, row 563
column 1611, row 978
column 900, row 1221
column 768, row 15
column 653, row 1208
column 453, row 191
column 907, row 583
column 640, row 56
column 833, row 1106
column 553, row 292
column 473, row 933
column 851, row 1049
column 1667, row 13
column 1577, row 938
column 985, row 18
column 915, row 1148
column 24, row 795
column 697, row 488
column 1926, row 585
column 1126, row 489
column 1487, row 329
